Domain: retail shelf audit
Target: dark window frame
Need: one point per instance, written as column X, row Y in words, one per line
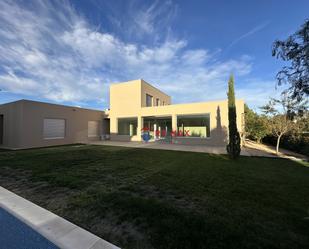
column 149, row 97
column 185, row 120
column 127, row 129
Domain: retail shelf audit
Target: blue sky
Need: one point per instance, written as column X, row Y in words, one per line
column 69, row 52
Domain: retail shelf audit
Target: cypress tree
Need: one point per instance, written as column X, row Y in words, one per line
column 233, row 147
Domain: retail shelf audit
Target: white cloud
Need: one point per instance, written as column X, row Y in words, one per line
column 148, row 19
column 50, row 51
column 250, row 32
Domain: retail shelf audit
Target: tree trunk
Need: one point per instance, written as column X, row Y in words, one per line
column 278, row 143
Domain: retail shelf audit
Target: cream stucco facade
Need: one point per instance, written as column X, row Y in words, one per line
column 128, row 100
column 134, row 105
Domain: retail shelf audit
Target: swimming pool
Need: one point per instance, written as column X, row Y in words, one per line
column 14, row 234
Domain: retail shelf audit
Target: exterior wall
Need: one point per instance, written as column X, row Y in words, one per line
column 24, row 128
column 155, row 93
column 12, row 124
column 23, row 120
column 218, row 111
column 126, row 100
column 122, row 94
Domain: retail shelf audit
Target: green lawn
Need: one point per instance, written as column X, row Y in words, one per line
column 142, row 198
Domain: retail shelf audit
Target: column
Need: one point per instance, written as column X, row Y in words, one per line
column 174, row 122
column 154, row 131
column 139, row 128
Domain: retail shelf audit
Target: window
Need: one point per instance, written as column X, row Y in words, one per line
column 53, row 128
column 127, row 126
column 193, row 125
column 148, row 100
column 93, row 128
column 158, row 127
column 157, row 102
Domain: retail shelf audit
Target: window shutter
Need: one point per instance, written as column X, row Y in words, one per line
column 53, row 128
column 93, row 128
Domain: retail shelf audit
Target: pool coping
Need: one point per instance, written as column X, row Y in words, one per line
column 57, row 230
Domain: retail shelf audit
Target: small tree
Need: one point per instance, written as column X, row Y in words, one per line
column 283, row 115
column 233, row 147
column 255, row 125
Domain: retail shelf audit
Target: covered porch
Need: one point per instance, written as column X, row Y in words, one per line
column 177, row 128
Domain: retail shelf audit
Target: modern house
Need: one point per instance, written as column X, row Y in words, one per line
column 136, row 108
column 27, row 124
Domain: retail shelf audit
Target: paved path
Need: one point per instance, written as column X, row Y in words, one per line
column 251, row 149
column 163, row 146
column 257, row 149
column 59, row 231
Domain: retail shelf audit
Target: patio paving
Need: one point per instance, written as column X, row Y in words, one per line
column 164, row 146
column 250, row 149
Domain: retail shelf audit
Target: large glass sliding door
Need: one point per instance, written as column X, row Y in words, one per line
column 127, row 126
column 193, row 125
column 158, row 127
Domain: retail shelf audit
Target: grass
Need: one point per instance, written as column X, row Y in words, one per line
column 141, row 198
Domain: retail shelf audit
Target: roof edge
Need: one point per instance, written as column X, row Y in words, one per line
column 47, row 103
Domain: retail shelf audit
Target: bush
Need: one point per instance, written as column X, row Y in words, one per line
column 299, row 144
column 255, row 125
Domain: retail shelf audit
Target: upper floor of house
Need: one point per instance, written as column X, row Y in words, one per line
column 134, row 95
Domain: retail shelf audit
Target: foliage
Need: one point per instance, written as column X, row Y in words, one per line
column 296, row 50
column 298, row 139
column 255, row 125
column 233, row 147
column 294, row 142
column 303, row 122
column 284, row 115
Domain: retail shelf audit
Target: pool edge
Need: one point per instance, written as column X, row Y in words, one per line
column 56, row 229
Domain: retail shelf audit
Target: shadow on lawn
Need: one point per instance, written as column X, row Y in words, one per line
column 141, row 198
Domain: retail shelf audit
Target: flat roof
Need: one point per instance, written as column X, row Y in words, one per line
column 155, row 88
column 46, row 103
column 143, row 81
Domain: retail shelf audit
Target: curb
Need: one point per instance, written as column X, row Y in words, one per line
column 57, row 230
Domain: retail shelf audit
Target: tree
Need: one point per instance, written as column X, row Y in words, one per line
column 233, row 147
column 296, row 50
column 283, row 115
column 304, row 122
column 255, row 125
